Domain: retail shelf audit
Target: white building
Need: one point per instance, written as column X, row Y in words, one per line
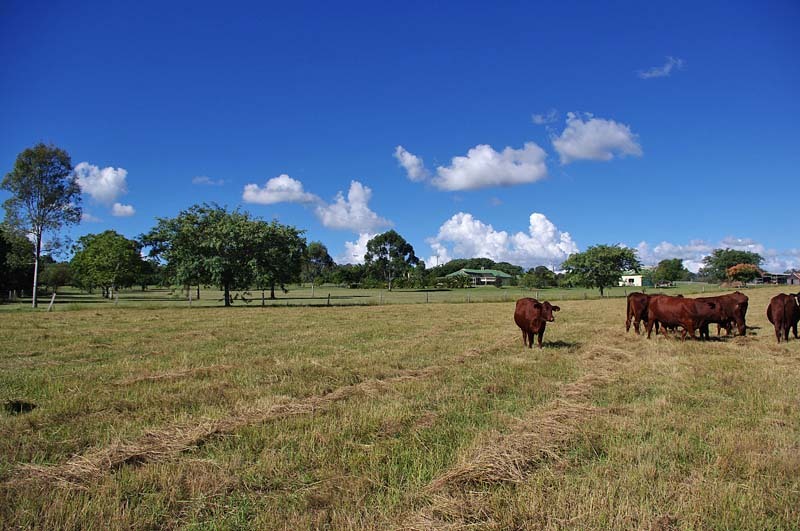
column 632, row 279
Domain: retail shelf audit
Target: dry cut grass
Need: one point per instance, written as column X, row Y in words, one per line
column 419, row 417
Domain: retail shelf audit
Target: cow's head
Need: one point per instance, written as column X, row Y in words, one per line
column 547, row 310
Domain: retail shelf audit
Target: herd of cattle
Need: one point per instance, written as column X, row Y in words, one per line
column 672, row 312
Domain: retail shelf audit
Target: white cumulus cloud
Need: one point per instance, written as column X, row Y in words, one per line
column 353, row 212
column 86, row 217
column 693, row 252
column 104, row 185
column 483, row 167
column 464, row 236
column 122, row 211
column 354, row 251
column 672, row 63
column 414, row 166
column 280, row 189
column 595, row 139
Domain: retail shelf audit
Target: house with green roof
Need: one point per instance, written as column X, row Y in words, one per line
column 482, row 277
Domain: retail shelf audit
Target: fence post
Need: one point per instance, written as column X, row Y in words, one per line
column 329, row 299
column 190, row 298
column 52, row 300
column 426, row 297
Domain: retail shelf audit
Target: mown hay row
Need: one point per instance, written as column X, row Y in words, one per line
column 174, row 375
column 166, row 443
column 454, row 497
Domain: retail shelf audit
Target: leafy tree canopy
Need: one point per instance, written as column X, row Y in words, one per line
column 207, row 244
column 107, row 260
column 389, row 255
column 743, row 272
column 44, row 196
column 16, row 260
column 670, row 270
column 539, row 277
column 600, row 266
column 318, row 264
column 718, row 262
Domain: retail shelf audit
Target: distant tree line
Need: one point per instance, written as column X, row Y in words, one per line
column 208, row 245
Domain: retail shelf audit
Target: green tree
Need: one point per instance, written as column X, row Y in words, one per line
column 56, row 274
column 45, row 196
column 350, row 275
column 539, row 277
column 318, row 264
column 279, row 254
column 670, row 270
column 209, row 245
column 178, row 243
column 16, row 260
column 600, row 266
column 107, row 261
column 720, row 260
column 389, row 255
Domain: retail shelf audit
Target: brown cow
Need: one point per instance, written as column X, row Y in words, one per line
column 670, row 311
column 729, row 309
column 637, row 310
column 784, row 313
column 532, row 317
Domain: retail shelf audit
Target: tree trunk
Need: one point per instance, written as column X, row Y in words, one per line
column 198, row 293
column 601, row 291
column 272, row 291
column 227, row 295
column 36, row 269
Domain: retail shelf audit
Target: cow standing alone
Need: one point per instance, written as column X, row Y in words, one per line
column 784, row 313
column 532, row 317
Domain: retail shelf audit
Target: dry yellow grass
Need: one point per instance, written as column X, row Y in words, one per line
column 426, row 416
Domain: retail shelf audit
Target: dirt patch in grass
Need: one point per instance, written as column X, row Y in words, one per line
column 16, row 407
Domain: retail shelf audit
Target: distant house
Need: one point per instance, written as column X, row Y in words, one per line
column 794, row 279
column 631, row 279
column 482, row 277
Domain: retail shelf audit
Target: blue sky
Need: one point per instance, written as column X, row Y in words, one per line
column 519, row 131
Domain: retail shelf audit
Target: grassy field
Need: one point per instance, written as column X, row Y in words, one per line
column 397, row 416
column 73, row 299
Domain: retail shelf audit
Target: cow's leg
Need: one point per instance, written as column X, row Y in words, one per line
column 786, row 332
column 524, row 338
column 778, row 332
column 541, row 335
column 628, row 324
column 530, row 339
column 794, row 329
column 636, row 325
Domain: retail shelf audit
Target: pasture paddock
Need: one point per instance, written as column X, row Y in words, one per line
column 397, row 416
column 73, row 299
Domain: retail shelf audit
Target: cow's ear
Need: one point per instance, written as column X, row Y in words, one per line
column 556, row 309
